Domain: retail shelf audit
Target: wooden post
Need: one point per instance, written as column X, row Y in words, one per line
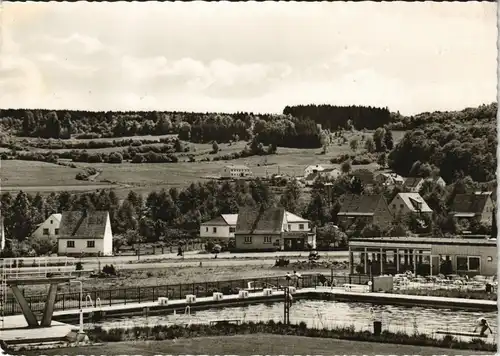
column 366, row 260
column 397, row 260
column 381, row 263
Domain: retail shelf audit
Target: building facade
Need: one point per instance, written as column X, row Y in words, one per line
column 423, row 256
column 236, row 172
column 409, row 203
column 270, row 230
column 478, row 206
column 87, row 233
column 222, row 227
column 49, row 227
column 370, row 209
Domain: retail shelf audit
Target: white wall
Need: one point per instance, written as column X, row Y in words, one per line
column 47, row 225
column 80, row 246
column 222, row 232
column 294, row 226
column 107, row 248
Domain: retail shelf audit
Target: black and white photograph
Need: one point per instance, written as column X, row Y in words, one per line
column 245, row 178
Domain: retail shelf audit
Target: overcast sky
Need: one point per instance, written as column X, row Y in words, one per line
column 258, row 57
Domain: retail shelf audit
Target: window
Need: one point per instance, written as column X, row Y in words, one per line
column 267, row 239
column 91, row 244
column 206, row 229
column 232, row 229
column 51, row 221
column 248, row 239
column 70, row 244
column 56, row 231
column 301, row 226
column 468, row 263
column 214, row 230
column 394, row 206
column 289, row 227
column 401, row 206
column 45, row 231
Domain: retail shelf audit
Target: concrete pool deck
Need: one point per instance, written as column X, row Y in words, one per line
column 65, row 320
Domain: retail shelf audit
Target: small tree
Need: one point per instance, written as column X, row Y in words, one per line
column 345, row 167
column 382, row 160
column 369, row 144
column 353, row 144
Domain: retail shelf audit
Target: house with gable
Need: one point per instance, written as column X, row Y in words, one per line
column 414, row 184
column 389, row 179
column 221, row 227
column 313, row 168
column 479, row 206
column 409, row 203
column 49, row 228
column 371, row 209
column 85, row 232
column 272, row 229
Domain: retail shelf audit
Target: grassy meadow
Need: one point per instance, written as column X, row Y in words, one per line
column 48, row 177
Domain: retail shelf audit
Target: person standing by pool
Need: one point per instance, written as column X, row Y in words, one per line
column 483, row 324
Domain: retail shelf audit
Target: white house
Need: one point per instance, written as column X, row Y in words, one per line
column 222, row 227
column 389, row 179
column 85, row 232
column 49, row 227
column 236, row 171
column 330, row 173
column 313, row 169
column 295, row 223
column 406, row 203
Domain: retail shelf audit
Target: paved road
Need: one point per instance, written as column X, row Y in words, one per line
column 194, row 255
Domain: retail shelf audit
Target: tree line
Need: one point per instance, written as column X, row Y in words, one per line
column 449, row 150
column 177, row 213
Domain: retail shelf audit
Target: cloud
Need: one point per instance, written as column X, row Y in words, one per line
column 247, row 56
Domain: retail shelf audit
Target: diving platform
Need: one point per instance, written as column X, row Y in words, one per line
column 16, row 272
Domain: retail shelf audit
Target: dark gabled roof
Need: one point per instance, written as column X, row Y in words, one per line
column 360, row 203
column 364, row 175
column 260, row 221
column 218, row 221
column 469, row 203
column 412, row 182
column 83, row 224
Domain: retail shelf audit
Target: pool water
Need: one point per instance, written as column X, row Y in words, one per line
column 326, row 314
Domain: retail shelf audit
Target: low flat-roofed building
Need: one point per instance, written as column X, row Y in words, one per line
column 423, row 256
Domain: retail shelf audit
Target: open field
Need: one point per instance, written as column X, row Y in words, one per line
column 143, row 178
column 262, row 344
column 175, row 275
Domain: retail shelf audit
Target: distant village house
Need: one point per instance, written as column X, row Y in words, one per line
column 222, row 227
column 371, row 209
column 236, row 172
column 409, row 203
column 479, row 206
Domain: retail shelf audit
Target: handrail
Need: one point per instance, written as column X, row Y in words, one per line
column 87, row 298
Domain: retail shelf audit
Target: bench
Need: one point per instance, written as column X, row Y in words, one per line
column 360, row 288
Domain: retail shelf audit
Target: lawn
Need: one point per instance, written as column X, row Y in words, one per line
column 30, row 174
column 145, row 177
column 258, row 344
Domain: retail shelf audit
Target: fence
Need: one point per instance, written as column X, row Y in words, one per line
column 104, row 297
column 159, row 250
